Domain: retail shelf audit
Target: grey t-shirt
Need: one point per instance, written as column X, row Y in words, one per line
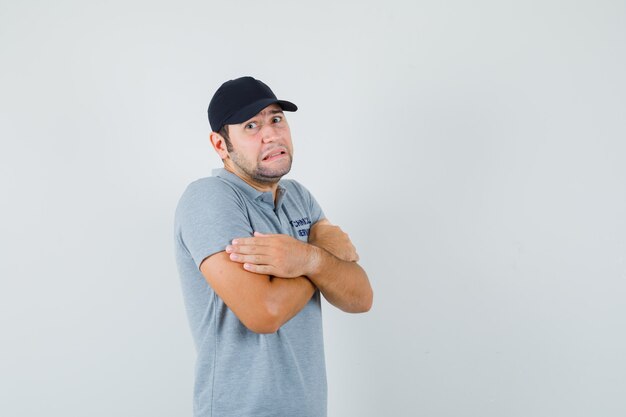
column 240, row 373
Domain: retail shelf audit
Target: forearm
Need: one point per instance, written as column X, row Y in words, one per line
column 344, row 284
column 285, row 297
column 262, row 303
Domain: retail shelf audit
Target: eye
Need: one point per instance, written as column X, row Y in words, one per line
column 277, row 119
column 251, row 125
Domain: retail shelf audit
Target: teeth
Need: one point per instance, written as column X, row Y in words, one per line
column 274, row 154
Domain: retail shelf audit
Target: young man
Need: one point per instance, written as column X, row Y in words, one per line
column 254, row 253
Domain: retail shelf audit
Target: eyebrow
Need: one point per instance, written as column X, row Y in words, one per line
column 263, row 112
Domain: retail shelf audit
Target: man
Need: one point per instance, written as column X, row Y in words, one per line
column 254, row 253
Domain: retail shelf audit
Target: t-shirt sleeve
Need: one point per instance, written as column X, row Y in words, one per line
column 210, row 214
column 317, row 213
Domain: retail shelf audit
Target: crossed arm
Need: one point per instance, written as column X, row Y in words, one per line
column 267, row 279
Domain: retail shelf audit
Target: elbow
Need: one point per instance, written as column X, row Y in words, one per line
column 370, row 302
column 261, row 325
column 265, row 320
column 366, row 303
column 262, row 328
column 362, row 304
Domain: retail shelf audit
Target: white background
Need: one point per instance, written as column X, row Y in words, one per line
column 474, row 151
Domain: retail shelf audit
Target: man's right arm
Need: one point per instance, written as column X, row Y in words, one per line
column 341, row 280
column 262, row 303
column 208, row 215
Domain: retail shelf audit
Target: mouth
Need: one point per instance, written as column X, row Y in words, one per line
column 275, row 154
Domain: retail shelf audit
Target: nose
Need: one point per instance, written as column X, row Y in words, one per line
column 268, row 133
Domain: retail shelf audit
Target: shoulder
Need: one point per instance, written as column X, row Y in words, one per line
column 209, row 192
column 211, row 185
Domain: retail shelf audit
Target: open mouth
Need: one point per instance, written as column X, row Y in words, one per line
column 275, row 154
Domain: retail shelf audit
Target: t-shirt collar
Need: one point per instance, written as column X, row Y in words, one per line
column 260, row 196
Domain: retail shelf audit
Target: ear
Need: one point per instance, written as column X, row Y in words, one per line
column 219, row 144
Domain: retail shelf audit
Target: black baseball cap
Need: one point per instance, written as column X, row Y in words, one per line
column 238, row 100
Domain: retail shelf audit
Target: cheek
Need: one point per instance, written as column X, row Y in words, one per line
column 248, row 145
column 252, row 150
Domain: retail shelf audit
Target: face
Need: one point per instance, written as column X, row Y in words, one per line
column 262, row 150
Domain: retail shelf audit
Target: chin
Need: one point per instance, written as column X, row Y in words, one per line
column 272, row 175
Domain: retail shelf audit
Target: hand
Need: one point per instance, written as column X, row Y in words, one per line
column 278, row 255
column 334, row 240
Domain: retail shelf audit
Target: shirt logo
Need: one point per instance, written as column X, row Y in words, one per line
column 305, row 221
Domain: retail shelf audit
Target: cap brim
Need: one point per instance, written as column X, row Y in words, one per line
column 252, row 109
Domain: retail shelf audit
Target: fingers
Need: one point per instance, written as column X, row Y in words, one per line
column 249, row 253
column 259, row 269
column 249, row 245
column 253, row 259
column 248, row 249
column 254, row 251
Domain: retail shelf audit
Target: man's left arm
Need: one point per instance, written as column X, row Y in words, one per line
column 341, row 280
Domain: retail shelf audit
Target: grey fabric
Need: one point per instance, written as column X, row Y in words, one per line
column 240, row 373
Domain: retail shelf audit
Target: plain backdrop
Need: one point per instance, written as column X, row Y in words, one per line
column 474, row 151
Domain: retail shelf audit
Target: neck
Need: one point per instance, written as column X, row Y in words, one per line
column 257, row 185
